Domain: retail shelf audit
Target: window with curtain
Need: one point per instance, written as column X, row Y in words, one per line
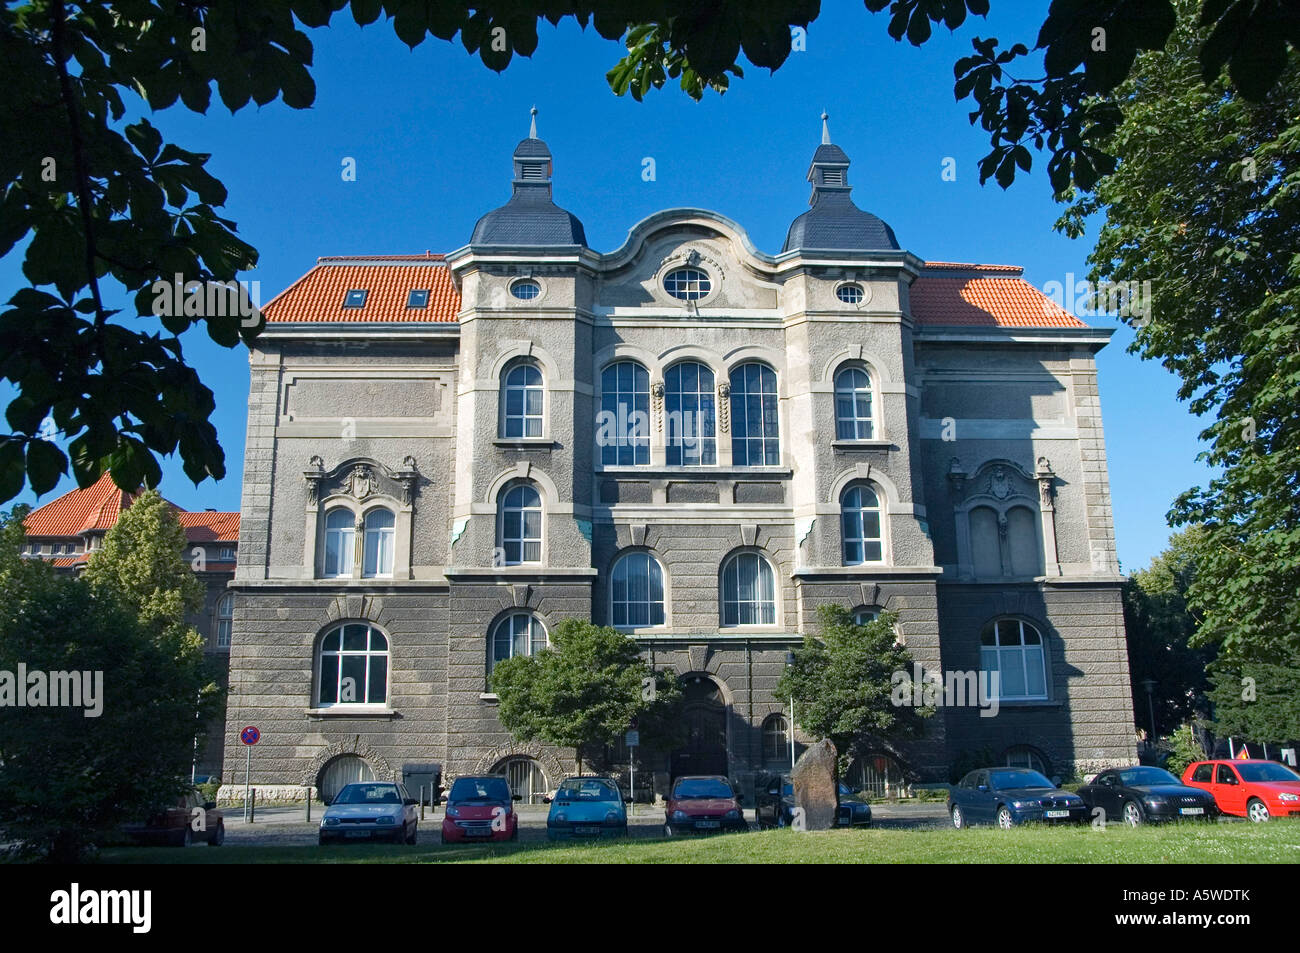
column 624, row 434
column 853, row 405
column 340, row 541
column 380, row 536
column 520, row 633
column 776, row 742
column 860, row 518
column 522, row 401
column 755, row 440
column 690, row 406
column 352, row 666
column 521, row 525
column 637, row 591
column 1014, row 650
column 748, row 591
column 225, row 619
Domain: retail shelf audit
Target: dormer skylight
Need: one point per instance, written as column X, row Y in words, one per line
column 355, row 298
column 418, row 298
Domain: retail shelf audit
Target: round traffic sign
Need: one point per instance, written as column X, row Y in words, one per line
column 250, row 735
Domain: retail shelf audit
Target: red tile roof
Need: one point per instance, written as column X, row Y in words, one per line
column 98, row 506
column 981, row 300
column 318, row 295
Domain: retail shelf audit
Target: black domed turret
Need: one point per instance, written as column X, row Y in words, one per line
column 834, row 223
column 530, row 217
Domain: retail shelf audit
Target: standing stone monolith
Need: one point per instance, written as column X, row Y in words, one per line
column 815, row 791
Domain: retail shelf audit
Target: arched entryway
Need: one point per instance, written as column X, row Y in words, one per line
column 877, row 774
column 339, row 772
column 704, row 711
column 526, row 778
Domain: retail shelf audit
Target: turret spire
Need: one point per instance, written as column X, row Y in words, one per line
column 532, row 126
column 826, row 129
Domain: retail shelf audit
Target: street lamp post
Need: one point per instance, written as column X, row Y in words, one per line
column 789, row 661
column 1150, row 685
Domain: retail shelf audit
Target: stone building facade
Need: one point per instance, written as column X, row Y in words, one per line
column 687, row 438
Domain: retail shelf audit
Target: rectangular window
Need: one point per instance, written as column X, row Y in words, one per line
column 417, row 298
column 355, row 298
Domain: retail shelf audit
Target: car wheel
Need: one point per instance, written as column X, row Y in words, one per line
column 320, row 840
column 1257, row 810
column 1133, row 814
column 1005, row 821
column 781, row 821
column 668, row 830
column 958, row 818
column 219, row 835
column 415, row 833
column 442, row 837
column 187, row 837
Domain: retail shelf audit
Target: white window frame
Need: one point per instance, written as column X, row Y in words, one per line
column 368, row 653
column 861, row 427
column 225, row 620
column 627, row 406
column 384, row 539
column 769, row 414
column 530, row 382
column 650, row 604
column 511, row 622
column 758, row 605
column 858, row 537
column 678, row 449
column 1001, row 655
column 346, row 545
column 513, row 517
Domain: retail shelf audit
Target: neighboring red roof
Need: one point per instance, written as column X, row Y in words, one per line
column 319, row 294
column 975, row 300
column 98, row 506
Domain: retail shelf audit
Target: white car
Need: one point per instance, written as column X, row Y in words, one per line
column 370, row 810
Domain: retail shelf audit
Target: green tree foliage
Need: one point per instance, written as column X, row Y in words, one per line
column 65, row 778
column 104, row 203
column 584, row 691
column 1160, row 636
column 1206, row 207
column 1185, row 747
column 843, row 681
column 1257, row 701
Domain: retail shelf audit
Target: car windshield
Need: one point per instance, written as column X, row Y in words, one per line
column 479, row 789
column 1266, row 771
column 846, row 791
column 1132, row 776
column 1019, row 778
column 587, row 789
column 368, row 794
column 701, row 787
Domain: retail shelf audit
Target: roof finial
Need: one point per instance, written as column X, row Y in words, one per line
column 532, row 127
column 826, row 130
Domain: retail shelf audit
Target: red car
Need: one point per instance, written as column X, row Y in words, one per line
column 1252, row 788
column 480, row 809
column 189, row 821
column 703, row 805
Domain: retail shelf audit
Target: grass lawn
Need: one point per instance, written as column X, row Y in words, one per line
column 1276, row 842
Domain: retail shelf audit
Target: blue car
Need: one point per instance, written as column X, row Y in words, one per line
column 1010, row 796
column 587, row 806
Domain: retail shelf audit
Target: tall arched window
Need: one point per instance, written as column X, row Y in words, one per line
column 860, row 518
column 380, row 536
column 637, row 591
column 776, row 741
column 1014, row 650
column 352, row 666
column 748, row 591
column 519, row 633
column 853, row 405
column 689, row 404
column 340, row 541
column 225, row 619
column 522, row 401
column 521, row 524
column 755, row 440
column 624, row 429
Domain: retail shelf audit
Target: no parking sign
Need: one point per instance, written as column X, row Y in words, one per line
column 249, row 736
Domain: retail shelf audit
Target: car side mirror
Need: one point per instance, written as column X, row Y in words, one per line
column 410, row 802
column 209, row 805
column 516, row 797
column 983, row 787
column 546, row 799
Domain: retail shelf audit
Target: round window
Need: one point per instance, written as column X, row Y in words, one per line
column 526, row 289
column 687, row 284
column 850, row 293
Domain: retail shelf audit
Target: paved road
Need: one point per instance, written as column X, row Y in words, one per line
column 285, row 827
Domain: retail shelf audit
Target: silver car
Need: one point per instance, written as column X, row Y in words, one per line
column 370, row 810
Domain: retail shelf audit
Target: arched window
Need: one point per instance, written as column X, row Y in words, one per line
column 866, row 616
column 525, row 777
column 748, row 591
column 519, row 633
column 878, row 775
column 755, row 440
column 521, row 525
column 853, row 405
column 225, row 619
column 624, row 430
column 1025, row 756
column 689, row 404
column 1014, row 650
column 860, row 512
column 340, row 541
column 380, row 535
column 522, row 401
column 776, row 741
column 637, row 591
column 352, row 666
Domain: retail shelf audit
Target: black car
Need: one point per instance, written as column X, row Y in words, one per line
column 1011, row 796
column 1142, row 794
column 777, row 810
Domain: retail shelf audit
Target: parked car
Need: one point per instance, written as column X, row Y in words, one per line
column 370, row 810
column 1010, row 796
column 587, row 806
column 1142, row 794
column 777, row 809
column 1253, row 788
column 175, row 825
column 480, row 809
column 703, row 804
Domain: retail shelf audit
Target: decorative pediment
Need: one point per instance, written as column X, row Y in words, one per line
column 361, row 478
column 993, row 480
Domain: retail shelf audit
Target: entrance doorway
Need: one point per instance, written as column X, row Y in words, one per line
column 704, row 711
column 340, row 772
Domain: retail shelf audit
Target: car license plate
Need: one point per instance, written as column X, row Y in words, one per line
column 708, row 824
column 1191, row 810
column 478, row 832
column 586, row 830
column 1058, row 813
column 356, row 833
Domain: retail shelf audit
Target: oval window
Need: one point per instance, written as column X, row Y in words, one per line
column 850, row 293
column 526, row 290
column 687, row 284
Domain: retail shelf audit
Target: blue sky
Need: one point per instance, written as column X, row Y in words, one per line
column 432, row 130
